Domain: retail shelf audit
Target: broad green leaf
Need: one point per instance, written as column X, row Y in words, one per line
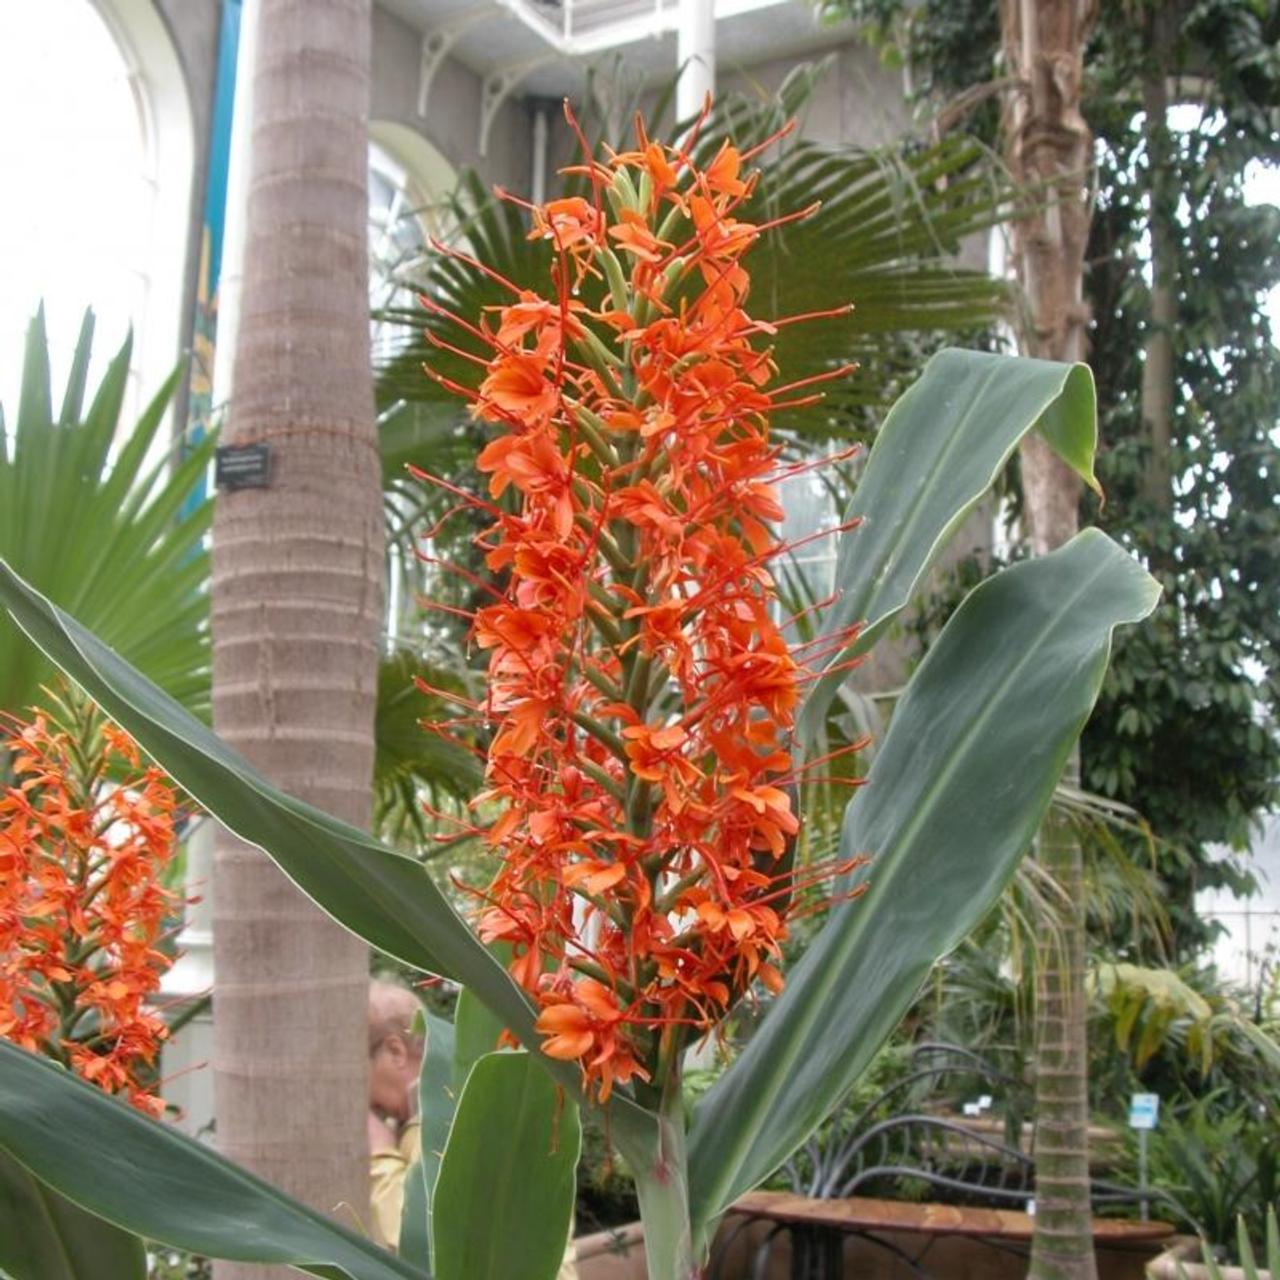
column 452, row 1050
column 503, row 1203
column 476, row 1032
column 437, row 1098
column 940, row 449
column 146, row 1177
column 953, row 800
column 45, row 1237
column 384, row 897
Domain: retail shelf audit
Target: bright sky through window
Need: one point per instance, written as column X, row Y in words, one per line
column 75, row 218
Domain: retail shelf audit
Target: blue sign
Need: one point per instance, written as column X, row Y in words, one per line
column 1144, row 1110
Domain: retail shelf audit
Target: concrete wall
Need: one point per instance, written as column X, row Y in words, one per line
column 452, row 122
column 857, row 101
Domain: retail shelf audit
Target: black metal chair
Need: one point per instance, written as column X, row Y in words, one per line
column 895, row 1141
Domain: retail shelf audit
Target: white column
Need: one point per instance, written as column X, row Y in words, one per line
column 538, row 174
column 237, row 198
column 695, row 56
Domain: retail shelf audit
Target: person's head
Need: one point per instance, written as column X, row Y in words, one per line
column 395, row 1052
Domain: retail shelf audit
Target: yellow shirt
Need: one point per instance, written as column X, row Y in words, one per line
column 388, row 1170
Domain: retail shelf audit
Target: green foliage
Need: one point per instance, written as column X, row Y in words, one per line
column 1185, row 728
column 410, row 762
column 952, row 433
column 1217, row 1164
column 44, row 1236
column 1158, row 1009
column 95, row 514
column 1245, row 1254
column 959, row 785
column 503, row 1202
column 147, row 1177
column 947, row 822
column 946, row 47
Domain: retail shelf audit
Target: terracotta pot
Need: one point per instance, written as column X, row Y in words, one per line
column 617, row 1254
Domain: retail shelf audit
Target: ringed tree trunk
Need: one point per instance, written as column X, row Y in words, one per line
column 1048, row 147
column 296, row 609
column 1160, row 29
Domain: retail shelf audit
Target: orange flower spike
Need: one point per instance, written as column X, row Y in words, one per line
column 79, row 873
column 640, row 877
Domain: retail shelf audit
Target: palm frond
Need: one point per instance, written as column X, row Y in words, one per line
column 884, row 238
column 99, row 519
column 412, row 764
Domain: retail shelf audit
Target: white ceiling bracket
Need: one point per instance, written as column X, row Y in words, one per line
column 498, row 86
column 435, row 49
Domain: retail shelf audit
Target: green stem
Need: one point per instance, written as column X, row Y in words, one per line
column 662, row 1183
column 602, row 734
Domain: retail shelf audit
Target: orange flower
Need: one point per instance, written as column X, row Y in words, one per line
column 85, row 834
column 642, row 692
column 517, row 388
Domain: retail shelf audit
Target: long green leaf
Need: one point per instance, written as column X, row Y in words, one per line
column 78, row 375
column 148, row 1178
column 953, row 800
column 45, row 1237
column 940, row 449
column 503, row 1203
column 452, row 1050
column 35, row 402
column 437, row 1098
column 386, row 898
column 476, row 1033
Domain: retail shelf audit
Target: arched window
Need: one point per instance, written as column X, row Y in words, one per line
column 95, row 145
column 409, row 185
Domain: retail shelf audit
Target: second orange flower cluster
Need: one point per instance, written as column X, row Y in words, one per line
column 85, row 834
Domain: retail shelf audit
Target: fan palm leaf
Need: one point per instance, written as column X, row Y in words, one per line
column 884, row 237
column 105, row 522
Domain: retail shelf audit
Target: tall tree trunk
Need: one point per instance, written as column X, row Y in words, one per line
column 296, row 604
column 1160, row 33
column 1048, row 147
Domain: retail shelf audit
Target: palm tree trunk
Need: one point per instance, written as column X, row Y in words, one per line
column 296, row 606
column 1160, row 32
column 1049, row 149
